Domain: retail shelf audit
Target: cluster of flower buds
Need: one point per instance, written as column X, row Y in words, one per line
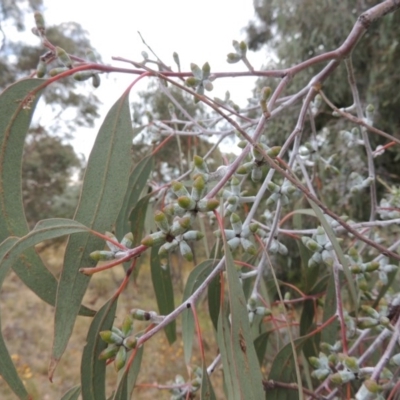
column 281, row 193
column 183, row 213
column 254, row 310
column 120, row 341
column 316, row 104
column 373, row 319
column 356, row 183
column 321, row 246
column 389, row 208
column 200, row 80
column 115, row 251
column 255, row 165
column 239, row 235
column 240, row 52
column 85, row 75
column 352, row 138
column 185, row 390
column 233, row 197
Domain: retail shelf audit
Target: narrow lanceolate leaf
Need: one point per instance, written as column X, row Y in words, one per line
column 44, row 230
column 162, row 283
column 17, row 104
column 283, row 370
column 196, row 278
column 260, row 345
column 207, row 391
column 72, row 394
column 137, row 182
column 240, row 361
column 104, row 186
column 127, row 380
column 93, row 370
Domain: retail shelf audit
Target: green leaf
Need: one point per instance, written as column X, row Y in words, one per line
column 207, row 391
column 260, row 345
column 93, row 370
column 239, row 357
column 44, row 230
column 14, row 124
column 329, row 333
column 72, row 394
column 163, row 290
column 137, row 182
column 104, row 187
column 195, row 279
column 214, row 290
column 283, row 370
column 9, row 372
column 128, row 379
column 137, row 219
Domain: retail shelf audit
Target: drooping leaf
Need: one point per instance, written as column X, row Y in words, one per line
column 240, row 361
column 72, row 394
column 93, row 370
column 137, row 182
column 214, row 299
column 127, row 380
column 329, row 333
column 9, row 373
column 137, row 219
column 195, row 279
column 260, row 344
column 103, row 191
column 17, row 104
column 207, row 391
column 283, row 370
column 162, row 284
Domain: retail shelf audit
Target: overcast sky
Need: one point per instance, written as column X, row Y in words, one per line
column 198, row 31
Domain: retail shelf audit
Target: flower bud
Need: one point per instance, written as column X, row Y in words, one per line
column 83, row 75
column 199, row 188
column 109, row 352
column 367, row 323
column 120, row 359
column 179, row 189
column 192, row 82
column 39, row 21
column 130, row 342
column 186, row 251
column 248, row 246
column 111, row 337
column 41, row 69
column 233, row 243
column 63, row 57
column 186, row 202
column 256, row 174
column 193, row 235
column 56, row 71
column 102, row 255
column 245, row 168
column 127, row 240
column 233, row 58
column 161, row 221
column 320, row 374
column 140, row 315
column 127, row 326
column 205, row 205
column 154, row 239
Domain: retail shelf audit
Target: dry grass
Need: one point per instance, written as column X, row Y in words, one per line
column 27, row 325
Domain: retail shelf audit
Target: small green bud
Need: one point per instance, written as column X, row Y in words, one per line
column 206, row 205
column 41, row 69
column 199, row 188
column 179, row 189
column 242, row 48
column 274, row 151
column 233, row 243
column 39, row 21
column 167, row 247
column 367, row 323
column 248, row 246
column 262, row 311
column 256, row 174
column 102, row 255
column 186, row 202
column 236, row 223
column 327, row 258
column 57, row 71
column 321, row 374
column 273, row 188
column 395, row 360
column 161, row 221
column 109, row 352
column 314, row 361
column 242, row 144
column 154, row 239
column 127, row 240
column 127, row 326
column 120, row 359
column 111, row 337
column 186, row 251
column 372, row 386
column 63, row 57
column 192, row 82
column 130, row 342
column 265, row 93
column 370, row 311
column 193, row 235
column 245, row 168
column 83, row 75
column 233, row 58
column 200, row 164
column 140, row 315
column 206, row 70
column 352, row 364
column 196, row 71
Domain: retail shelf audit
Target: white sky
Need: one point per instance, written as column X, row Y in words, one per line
column 198, row 31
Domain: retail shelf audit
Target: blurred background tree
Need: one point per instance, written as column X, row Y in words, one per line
column 51, row 168
column 294, row 32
